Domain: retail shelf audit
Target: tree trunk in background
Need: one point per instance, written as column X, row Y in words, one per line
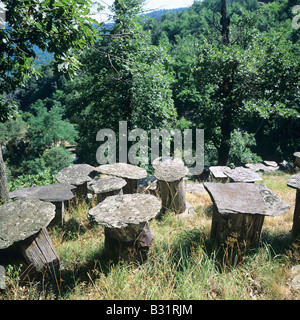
column 3, row 180
column 225, row 91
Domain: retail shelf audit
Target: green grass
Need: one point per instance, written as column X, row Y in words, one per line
column 181, row 265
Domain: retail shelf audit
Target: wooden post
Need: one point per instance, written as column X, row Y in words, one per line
column 24, row 238
column 125, row 217
column 296, row 220
column 172, row 196
column 171, row 185
column 245, row 229
column 239, row 211
column 130, row 244
column 130, row 173
column 294, row 182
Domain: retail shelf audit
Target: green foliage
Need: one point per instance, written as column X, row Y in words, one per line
column 32, row 180
column 52, row 160
column 123, row 78
column 46, row 128
column 53, row 25
column 240, row 152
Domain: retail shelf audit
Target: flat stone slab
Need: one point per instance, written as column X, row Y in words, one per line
column 218, row 171
column 261, row 167
column 170, row 171
column 23, row 218
column 297, row 154
column 77, row 174
column 241, row 174
column 123, row 170
column 271, row 163
column 247, row 198
column 53, row 193
column 107, row 184
column 195, row 188
column 157, row 162
column 123, row 210
column 294, row 181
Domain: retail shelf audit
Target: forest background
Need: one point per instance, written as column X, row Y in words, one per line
column 175, row 70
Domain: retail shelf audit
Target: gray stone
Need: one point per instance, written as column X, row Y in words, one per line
column 294, row 181
column 23, row 218
column 77, row 174
column 170, row 171
column 123, row 170
column 261, row 167
column 108, row 184
column 218, row 171
column 121, row 211
column 160, row 160
column 240, row 174
column 246, row 198
column 51, row 193
column 271, row 163
column 127, row 232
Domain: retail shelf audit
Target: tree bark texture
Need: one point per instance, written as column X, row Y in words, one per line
column 3, row 181
column 172, row 196
column 296, row 220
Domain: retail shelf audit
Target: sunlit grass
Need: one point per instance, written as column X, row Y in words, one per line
column 181, row 264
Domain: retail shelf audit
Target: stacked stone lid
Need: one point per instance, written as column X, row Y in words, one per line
column 106, row 187
column 294, row 182
column 130, row 173
column 78, row 175
column 241, row 174
column 54, row 193
column 170, row 173
column 125, row 217
column 23, row 235
column 239, row 210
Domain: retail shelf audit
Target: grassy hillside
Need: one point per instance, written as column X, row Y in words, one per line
column 182, row 264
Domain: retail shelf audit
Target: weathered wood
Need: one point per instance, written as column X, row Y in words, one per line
column 125, row 219
column 172, row 196
column 245, row 229
column 296, row 219
column 23, row 235
column 78, row 175
column 130, row 244
column 38, row 251
column 171, row 185
column 241, row 174
column 130, row 173
column 239, row 209
column 294, row 182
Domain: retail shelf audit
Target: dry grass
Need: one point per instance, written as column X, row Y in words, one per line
column 181, row 265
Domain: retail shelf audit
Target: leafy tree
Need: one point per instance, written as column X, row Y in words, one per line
column 255, row 74
column 123, row 78
column 47, row 129
column 52, row 25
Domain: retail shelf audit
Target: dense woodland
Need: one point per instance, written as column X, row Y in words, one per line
column 235, row 75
